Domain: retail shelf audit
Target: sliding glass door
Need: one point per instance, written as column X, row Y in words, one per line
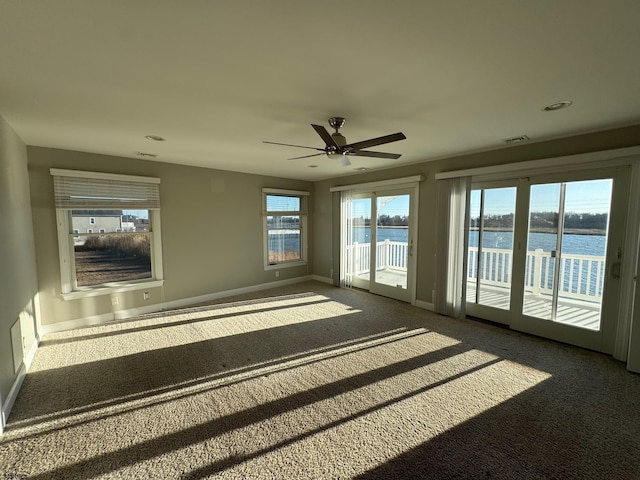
column 377, row 242
column 544, row 256
column 393, row 245
column 566, row 251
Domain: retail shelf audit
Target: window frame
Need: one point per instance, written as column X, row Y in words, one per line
column 302, row 213
column 69, row 288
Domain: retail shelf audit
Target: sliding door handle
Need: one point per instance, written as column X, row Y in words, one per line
column 614, row 269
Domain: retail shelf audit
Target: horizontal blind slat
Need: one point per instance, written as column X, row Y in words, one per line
column 75, row 193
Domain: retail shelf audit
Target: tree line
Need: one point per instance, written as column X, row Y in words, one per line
column 545, row 221
column 383, row 221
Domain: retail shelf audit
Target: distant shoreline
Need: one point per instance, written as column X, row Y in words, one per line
column 570, row 231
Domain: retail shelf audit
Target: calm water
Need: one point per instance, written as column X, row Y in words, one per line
column 571, row 243
column 363, row 234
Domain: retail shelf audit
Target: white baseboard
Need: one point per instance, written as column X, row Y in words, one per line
column 186, row 302
column 172, row 305
column 7, row 405
column 28, row 359
column 319, row 278
column 133, row 312
column 77, row 323
column 425, row 305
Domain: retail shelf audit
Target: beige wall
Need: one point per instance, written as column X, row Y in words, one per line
column 325, row 221
column 18, row 282
column 211, row 231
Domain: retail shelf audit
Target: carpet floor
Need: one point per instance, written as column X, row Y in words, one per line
column 314, row 382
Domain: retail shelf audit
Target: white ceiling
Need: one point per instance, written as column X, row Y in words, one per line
column 216, row 78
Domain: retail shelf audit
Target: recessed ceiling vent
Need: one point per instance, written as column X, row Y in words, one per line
column 518, row 139
column 145, row 154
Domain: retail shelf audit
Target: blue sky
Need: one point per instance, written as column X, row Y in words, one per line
column 396, row 205
column 137, row 213
column 592, row 196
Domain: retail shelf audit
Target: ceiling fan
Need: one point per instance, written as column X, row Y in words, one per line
column 336, row 146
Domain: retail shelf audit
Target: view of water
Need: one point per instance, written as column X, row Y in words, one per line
column 395, row 234
column 571, row 243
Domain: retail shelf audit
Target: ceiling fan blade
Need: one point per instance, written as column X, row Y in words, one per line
column 290, row 145
column 306, row 156
column 394, row 137
column 326, row 136
column 369, row 153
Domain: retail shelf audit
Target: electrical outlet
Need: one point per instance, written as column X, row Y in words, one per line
column 114, row 301
column 277, row 274
column 146, row 296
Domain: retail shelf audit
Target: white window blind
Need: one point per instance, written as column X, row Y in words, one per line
column 75, row 190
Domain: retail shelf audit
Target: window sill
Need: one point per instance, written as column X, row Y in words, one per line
column 108, row 290
column 276, row 266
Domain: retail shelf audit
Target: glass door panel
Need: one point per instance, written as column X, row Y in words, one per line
column 491, row 224
column 392, row 240
column 582, row 262
column 542, row 248
column 359, row 242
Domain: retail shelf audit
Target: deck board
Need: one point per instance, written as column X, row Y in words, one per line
column 570, row 311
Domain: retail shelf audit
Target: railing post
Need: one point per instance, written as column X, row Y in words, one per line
column 385, row 262
column 537, row 271
column 355, row 254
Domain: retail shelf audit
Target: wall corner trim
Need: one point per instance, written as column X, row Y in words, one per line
column 425, row 305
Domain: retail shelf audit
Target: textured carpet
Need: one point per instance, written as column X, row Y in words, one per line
column 311, row 381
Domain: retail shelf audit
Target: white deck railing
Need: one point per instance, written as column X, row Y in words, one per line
column 392, row 255
column 581, row 276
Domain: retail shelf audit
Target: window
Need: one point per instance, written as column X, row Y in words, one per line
column 285, row 225
column 125, row 254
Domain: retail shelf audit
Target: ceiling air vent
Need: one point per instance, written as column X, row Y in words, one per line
column 144, row 154
column 518, row 139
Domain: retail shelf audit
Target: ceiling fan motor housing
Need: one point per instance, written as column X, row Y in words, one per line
column 339, row 139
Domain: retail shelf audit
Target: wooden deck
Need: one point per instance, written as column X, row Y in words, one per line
column 570, row 311
column 388, row 276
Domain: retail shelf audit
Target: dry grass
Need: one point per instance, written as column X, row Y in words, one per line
column 119, row 245
column 286, row 256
